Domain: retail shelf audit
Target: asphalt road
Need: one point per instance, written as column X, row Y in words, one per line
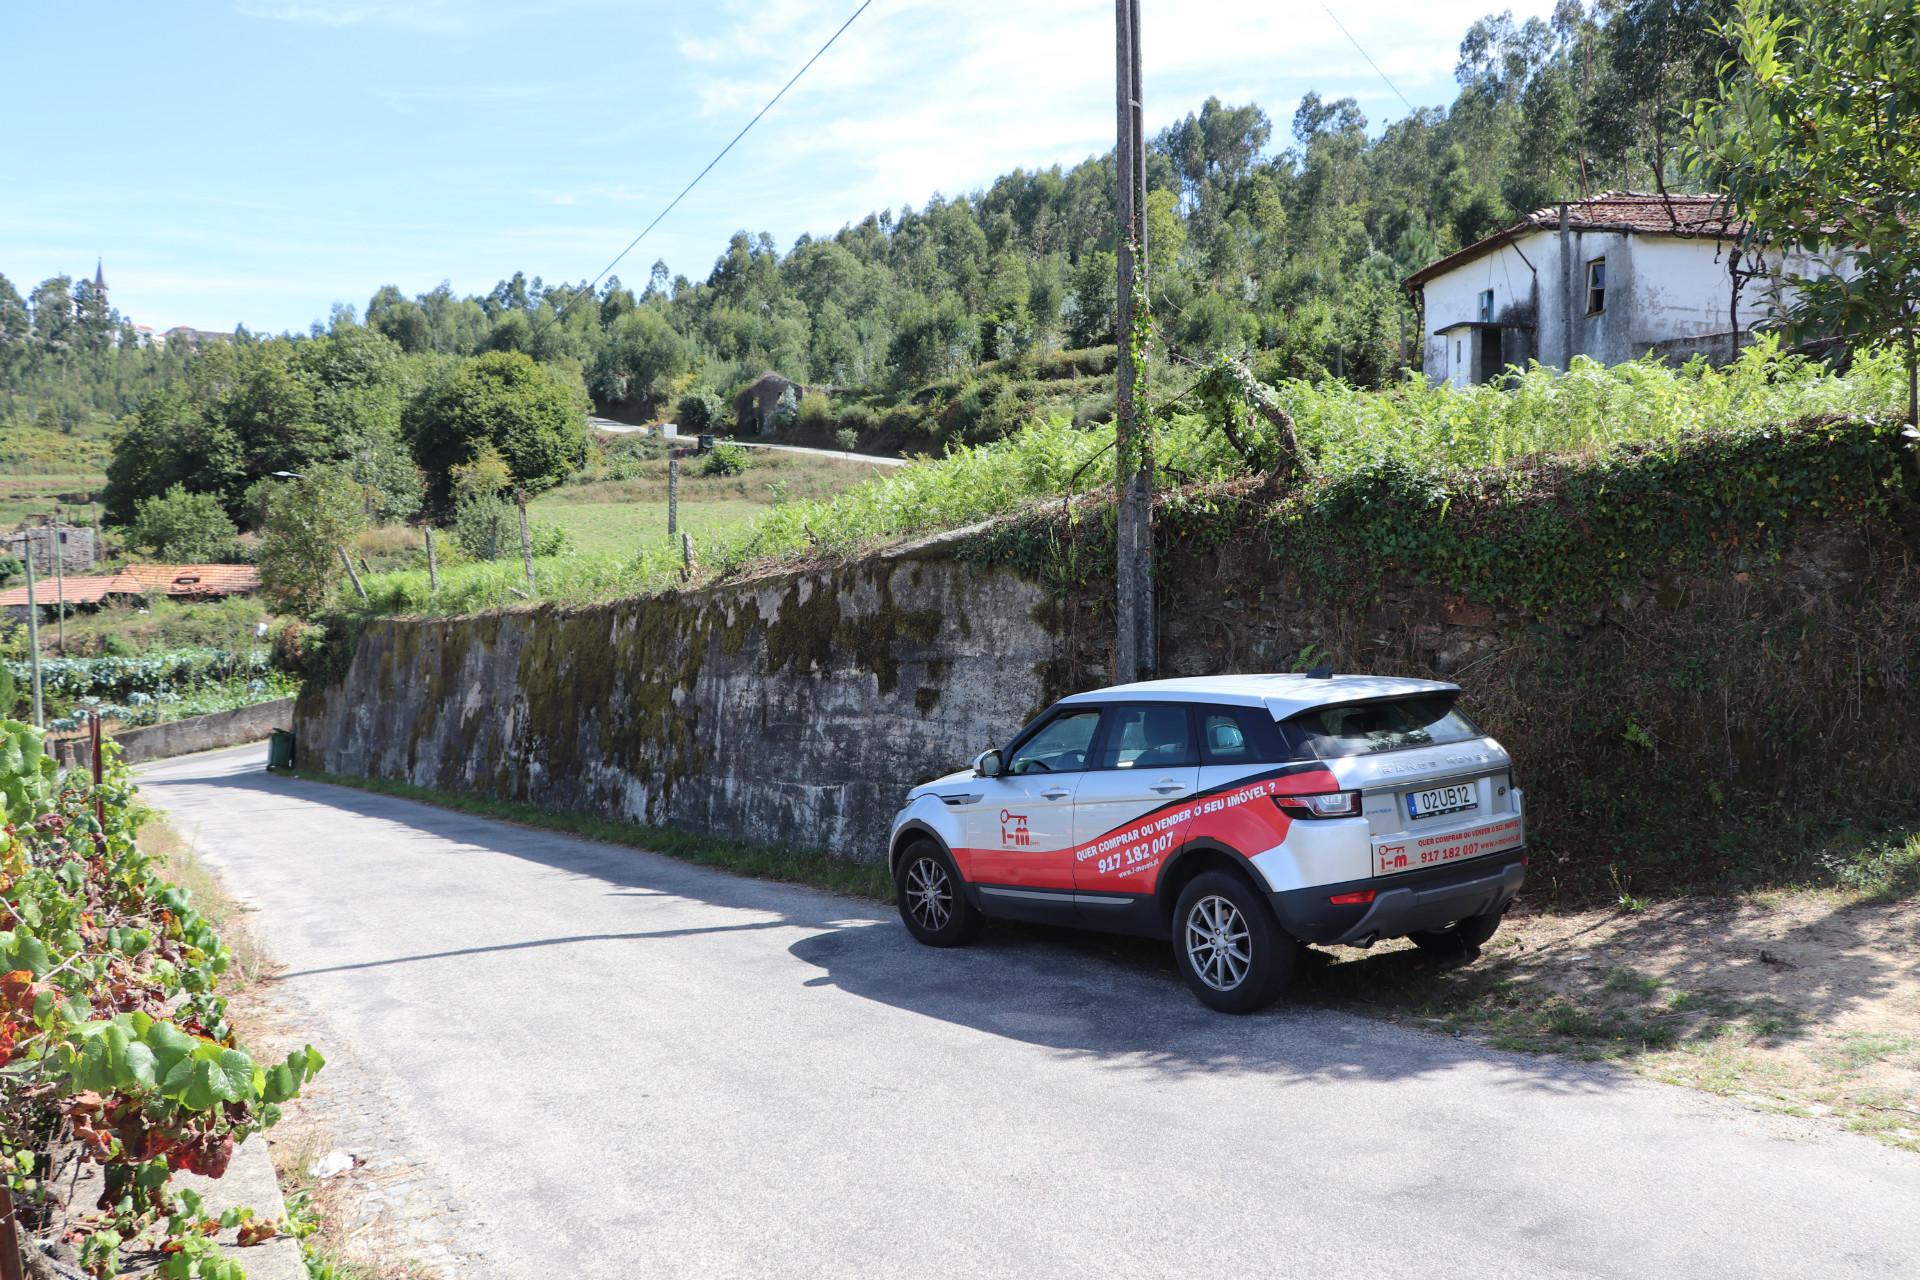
column 876, row 459
column 633, row 1067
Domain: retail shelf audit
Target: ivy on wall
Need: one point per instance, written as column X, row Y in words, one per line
column 1550, row 536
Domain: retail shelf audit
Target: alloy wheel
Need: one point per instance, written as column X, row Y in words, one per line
column 929, row 894
column 1218, row 943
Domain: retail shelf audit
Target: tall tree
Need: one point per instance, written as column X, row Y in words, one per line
column 1815, row 138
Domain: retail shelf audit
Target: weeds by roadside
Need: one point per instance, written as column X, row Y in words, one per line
column 182, row 866
column 808, row 867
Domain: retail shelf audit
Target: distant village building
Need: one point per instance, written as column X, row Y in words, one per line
column 190, row 336
column 1611, row 278
column 754, row 407
column 75, row 546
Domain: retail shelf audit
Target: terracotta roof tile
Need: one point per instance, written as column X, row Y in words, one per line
column 1647, row 214
column 146, row 579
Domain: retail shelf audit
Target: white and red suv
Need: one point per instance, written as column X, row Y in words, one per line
column 1238, row 816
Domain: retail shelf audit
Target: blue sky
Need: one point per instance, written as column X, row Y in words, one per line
column 258, row 160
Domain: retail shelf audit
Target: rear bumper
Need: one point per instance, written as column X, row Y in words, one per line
column 1402, row 904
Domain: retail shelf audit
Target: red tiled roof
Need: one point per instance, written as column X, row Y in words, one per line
column 1694, row 216
column 143, row 580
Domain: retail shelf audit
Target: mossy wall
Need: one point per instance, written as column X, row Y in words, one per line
column 1698, row 710
column 789, row 710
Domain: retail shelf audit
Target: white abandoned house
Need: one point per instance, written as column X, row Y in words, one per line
column 1611, row 278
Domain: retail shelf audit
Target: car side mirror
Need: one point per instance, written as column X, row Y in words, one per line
column 987, row 764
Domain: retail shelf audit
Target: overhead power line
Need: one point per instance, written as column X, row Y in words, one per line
column 1369, row 57
column 718, row 157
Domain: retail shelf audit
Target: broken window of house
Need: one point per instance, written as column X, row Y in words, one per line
column 1596, row 286
column 1486, row 306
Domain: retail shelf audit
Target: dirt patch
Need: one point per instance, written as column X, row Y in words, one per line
column 1806, row 1003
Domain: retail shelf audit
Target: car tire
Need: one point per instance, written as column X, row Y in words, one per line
column 933, row 901
column 1228, row 946
column 1463, row 938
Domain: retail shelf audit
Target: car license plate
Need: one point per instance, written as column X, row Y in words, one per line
column 1454, row 799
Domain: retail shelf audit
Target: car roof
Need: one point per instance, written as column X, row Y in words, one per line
column 1283, row 695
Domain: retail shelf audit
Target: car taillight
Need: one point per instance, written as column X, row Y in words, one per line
column 1331, row 804
column 1359, row 898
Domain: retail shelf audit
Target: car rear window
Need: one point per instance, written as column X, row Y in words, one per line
column 1364, row 728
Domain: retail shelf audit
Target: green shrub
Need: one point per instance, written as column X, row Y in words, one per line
column 486, row 526
column 847, row 438
column 726, row 460
column 549, row 539
column 182, row 526
column 700, row 410
column 308, row 521
column 815, row 412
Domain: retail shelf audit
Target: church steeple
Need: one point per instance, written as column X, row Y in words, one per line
column 99, row 277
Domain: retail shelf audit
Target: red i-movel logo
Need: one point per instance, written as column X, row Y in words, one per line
column 1013, row 830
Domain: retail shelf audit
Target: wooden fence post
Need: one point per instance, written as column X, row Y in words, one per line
column 526, row 539
column 347, row 560
column 673, row 496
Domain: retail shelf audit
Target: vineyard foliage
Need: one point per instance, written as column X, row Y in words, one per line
column 111, row 1029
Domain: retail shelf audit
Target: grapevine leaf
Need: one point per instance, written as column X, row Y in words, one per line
column 238, row 1079
column 140, row 1066
column 170, row 1046
column 204, row 1086
column 280, row 1085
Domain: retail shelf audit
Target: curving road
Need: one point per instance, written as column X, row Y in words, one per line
column 626, row 1066
column 873, row 459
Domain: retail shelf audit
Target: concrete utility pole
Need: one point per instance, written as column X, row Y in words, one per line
column 58, row 547
column 673, row 496
column 433, row 565
column 1134, row 648
column 33, row 638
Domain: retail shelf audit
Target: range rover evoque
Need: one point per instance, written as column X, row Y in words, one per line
column 1238, row 817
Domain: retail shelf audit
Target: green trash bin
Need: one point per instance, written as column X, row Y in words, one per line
column 280, row 750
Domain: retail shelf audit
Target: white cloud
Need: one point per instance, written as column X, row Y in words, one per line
column 923, row 95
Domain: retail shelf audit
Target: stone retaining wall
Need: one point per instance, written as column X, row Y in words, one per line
column 787, row 710
column 183, row 737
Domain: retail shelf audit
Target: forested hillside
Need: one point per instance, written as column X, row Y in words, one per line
column 1287, row 242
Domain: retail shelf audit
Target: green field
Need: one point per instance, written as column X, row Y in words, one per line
column 22, row 496
column 626, row 515
column 617, row 528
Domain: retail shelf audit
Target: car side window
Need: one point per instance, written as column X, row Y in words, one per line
column 1238, row 735
column 1059, row 747
column 1150, row 735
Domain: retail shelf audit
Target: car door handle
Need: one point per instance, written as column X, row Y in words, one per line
column 1056, row 793
column 1168, row 788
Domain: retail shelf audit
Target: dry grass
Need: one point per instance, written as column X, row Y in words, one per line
column 181, row 865
column 1801, row 1002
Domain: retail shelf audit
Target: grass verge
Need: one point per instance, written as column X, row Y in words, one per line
column 809, row 867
